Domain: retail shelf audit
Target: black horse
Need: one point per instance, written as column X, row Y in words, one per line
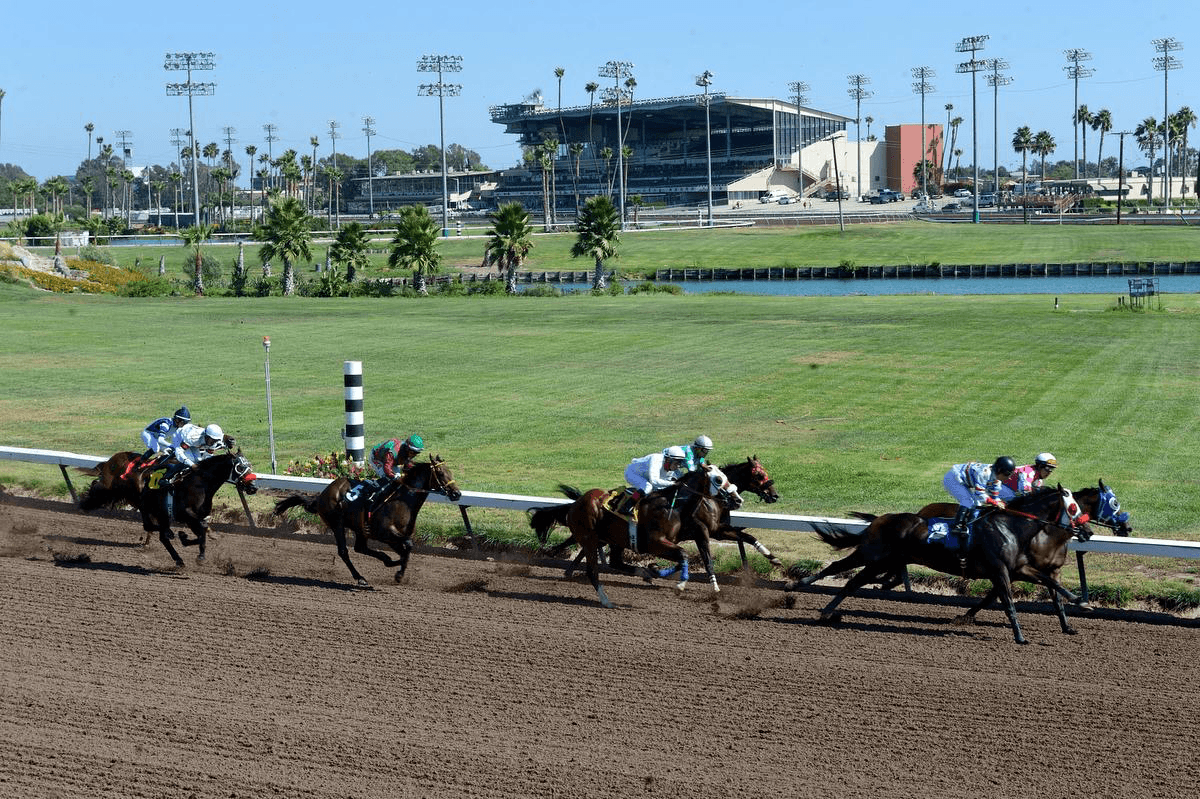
column 343, row 505
column 1026, row 541
column 190, row 499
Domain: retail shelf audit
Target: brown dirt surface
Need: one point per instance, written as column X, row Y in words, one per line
column 261, row 673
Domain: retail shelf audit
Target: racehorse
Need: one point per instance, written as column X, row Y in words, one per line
column 748, row 476
column 117, row 482
column 1022, row 541
column 1099, row 503
column 343, row 505
column 689, row 508
column 189, row 500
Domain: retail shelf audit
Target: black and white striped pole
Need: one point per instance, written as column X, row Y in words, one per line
column 270, row 420
column 352, row 379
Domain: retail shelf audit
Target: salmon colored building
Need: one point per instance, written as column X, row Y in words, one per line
column 902, row 147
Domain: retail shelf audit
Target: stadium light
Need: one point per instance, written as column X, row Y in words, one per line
column 922, row 86
column 617, row 70
column 187, row 62
column 1075, row 72
column 857, row 92
column 1165, row 63
column 799, row 88
column 369, row 129
column 972, row 44
column 441, row 64
column 705, row 80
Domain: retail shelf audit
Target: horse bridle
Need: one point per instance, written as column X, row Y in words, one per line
column 1108, row 510
column 1076, row 522
column 443, row 486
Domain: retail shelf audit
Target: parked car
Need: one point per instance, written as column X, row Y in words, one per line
column 962, row 192
column 924, row 207
column 786, row 199
column 987, row 201
column 885, row 196
column 832, row 195
column 950, row 207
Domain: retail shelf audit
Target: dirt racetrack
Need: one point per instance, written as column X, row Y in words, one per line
column 261, row 674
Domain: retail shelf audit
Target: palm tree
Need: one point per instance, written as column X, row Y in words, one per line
column 576, row 150
column 591, row 87
column 177, row 179
column 312, row 189
column 869, row 119
column 606, row 153
column 1146, row 135
column 89, row 127
column 1102, row 122
column 350, row 249
column 88, row 183
column 946, row 130
column 954, row 123
column 1083, row 118
column 1183, row 119
column 958, row 162
column 1043, row 145
column 250, row 151
column 194, row 237
column 511, row 240
column 287, row 237
column 415, row 245
column 1022, row 142
column 598, row 232
column 335, row 193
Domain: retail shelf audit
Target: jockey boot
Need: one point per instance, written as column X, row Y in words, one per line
column 629, row 504
column 963, row 535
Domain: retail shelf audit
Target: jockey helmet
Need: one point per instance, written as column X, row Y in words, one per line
column 415, row 443
column 674, row 454
column 1004, row 466
column 702, row 442
column 182, row 416
column 214, row 432
column 1046, row 459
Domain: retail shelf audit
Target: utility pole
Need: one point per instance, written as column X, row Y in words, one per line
column 996, row 80
column 705, row 80
column 369, row 129
column 177, row 135
column 1075, row 72
column 1120, row 171
column 188, row 62
column 973, row 44
column 1164, row 64
column 126, row 153
column 922, row 86
column 858, row 93
column 799, row 88
column 441, row 64
column 269, row 129
column 229, row 140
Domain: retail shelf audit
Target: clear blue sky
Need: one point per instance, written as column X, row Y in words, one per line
column 302, row 64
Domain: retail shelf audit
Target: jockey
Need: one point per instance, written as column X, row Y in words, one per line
column 974, row 484
column 652, row 472
column 1027, row 478
column 198, row 445
column 160, row 433
column 392, row 459
column 696, row 453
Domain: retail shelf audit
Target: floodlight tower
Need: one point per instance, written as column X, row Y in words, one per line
column 705, row 80
column 922, row 86
column 858, row 93
column 973, row 44
column 441, row 64
column 996, row 80
column 618, row 70
column 799, row 88
column 187, row 62
column 369, row 129
column 1164, row 64
column 1075, row 72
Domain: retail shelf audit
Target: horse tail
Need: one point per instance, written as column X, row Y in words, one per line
column 570, row 492
column 287, row 503
column 90, row 471
column 838, row 537
column 542, row 520
column 97, row 496
column 866, row 517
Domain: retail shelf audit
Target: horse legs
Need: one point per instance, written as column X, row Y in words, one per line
column 851, row 561
column 201, row 539
column 591, row 550
column 865, row 575
column 164, row 535
column 1003, row 585
column 339, row 535
column 743, row 538
column 705, row 550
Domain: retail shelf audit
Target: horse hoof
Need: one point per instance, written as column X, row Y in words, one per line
column 398, row 576
column 1085, row 607
column 201, row 558
column 831, row 618
column 362, row 583
column 1070, row 631
column 716, row 588
column 679, row 587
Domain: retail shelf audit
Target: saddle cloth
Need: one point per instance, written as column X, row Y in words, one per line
column 939, row 535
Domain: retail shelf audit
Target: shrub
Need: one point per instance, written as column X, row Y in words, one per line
column 542, row 290
column 330, row 467
column 649, row 287
column 97, row 255
column 147, row 287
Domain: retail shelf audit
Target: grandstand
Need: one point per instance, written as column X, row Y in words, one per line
column 754, row 148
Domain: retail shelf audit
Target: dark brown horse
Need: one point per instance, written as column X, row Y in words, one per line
column 685, row 510
column 343, row 505
column 1021, row 542
column 118, row 482
column 189, row 500
column 1098, row 502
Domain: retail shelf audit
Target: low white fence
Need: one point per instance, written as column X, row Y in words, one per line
column 1155, row 547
